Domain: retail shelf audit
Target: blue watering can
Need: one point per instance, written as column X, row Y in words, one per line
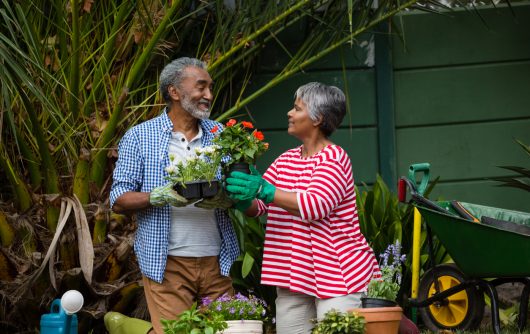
column 62, row 318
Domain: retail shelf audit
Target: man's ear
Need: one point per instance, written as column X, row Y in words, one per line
column 173, row 93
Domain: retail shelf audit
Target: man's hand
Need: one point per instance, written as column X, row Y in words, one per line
column 245, row 187
column 164, row 195
column 220, row 200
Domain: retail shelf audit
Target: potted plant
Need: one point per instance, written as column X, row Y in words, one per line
column 380, row 309
column 243, row 314
column 242, row 143
column 335, row 322
column 195, row 177
column 194, row 321
column 383, row 291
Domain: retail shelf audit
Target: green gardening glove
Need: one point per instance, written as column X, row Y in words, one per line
column 220, row 200
column 164, row 195
column 243, row 205
column 244, row 187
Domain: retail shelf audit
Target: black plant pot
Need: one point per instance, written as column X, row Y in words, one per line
column 369, row 302
column 190, row 190
column 209, row 189
column 242, row 167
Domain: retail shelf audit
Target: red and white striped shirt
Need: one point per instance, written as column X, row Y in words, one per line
column 322, row 253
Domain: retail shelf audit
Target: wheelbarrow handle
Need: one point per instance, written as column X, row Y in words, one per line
column 424, row 182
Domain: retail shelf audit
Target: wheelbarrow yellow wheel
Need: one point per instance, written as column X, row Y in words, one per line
column 462, row 310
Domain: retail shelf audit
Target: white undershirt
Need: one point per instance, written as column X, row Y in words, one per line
column 194, row 231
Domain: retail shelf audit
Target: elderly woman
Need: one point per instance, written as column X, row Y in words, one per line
column 314, row 252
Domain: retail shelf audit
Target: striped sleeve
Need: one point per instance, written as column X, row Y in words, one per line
column 326, row 190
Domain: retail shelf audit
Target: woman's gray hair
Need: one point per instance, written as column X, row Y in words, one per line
column 325, row 103
column 173, row 73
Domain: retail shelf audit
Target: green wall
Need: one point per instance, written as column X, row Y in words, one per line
column 461, row 95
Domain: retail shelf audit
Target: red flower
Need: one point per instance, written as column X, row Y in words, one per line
column 258, row 134
column 231, row 122
column 247, row 125
column 214, row 130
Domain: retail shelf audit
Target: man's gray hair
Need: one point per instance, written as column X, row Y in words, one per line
column 326, row 103
column 173, row 73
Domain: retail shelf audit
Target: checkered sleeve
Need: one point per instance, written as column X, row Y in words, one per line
column 128, row 170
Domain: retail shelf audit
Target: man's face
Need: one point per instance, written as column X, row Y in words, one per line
column 195, row 92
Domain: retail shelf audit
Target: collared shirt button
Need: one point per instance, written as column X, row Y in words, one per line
column 189, row 148
column 183, row 139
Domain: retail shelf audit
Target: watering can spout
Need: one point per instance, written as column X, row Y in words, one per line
column 62, row 318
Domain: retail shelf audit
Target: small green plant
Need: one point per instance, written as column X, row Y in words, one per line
column 203, row 165
column 193, row 321
column 335, row 322
column 388, row 285
column 238, row 307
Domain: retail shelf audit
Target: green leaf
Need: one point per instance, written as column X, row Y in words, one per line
column 248, row 262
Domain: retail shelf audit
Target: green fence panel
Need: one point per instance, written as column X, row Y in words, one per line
column 462, row 94
column 464, row 151
column 461, row 37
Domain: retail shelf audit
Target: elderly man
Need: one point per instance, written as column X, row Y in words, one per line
column 184, row 250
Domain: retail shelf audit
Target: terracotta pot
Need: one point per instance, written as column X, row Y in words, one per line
column 381, row 320
column 244, row 327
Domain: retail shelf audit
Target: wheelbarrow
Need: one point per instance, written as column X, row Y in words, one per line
column 489, row 246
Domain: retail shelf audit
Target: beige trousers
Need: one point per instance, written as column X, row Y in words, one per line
column 186, row 280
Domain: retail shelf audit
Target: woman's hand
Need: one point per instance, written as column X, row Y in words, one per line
column 245, row 187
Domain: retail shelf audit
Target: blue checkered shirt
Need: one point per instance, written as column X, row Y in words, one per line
column 143, row 156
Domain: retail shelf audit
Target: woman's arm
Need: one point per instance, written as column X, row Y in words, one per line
column 287, row 201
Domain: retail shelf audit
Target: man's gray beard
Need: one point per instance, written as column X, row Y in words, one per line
column 193, row 110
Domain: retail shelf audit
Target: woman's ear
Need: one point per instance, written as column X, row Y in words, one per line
column 319, row 121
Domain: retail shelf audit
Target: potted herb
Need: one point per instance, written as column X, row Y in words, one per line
column 380, row 309
column 243, row 314
column 242, row 143
column 195, row 177
column 194, row 321
column 335, row 322
column 383, row 291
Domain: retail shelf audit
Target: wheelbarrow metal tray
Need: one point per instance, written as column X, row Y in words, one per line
column 479, row 250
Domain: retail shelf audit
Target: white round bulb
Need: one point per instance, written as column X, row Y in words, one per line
column 72, row 301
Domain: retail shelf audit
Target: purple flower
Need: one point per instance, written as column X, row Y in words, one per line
column 206, row 301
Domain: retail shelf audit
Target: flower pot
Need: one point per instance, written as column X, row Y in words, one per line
column 369, row 302
column 189, row 190
column 242, row 167
column 209, row 189
column 381, row 320
column 244, row 327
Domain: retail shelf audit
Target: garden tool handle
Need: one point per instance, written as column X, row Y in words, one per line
column 420, row 168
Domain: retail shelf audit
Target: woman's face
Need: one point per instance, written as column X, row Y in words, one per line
column 299, row 123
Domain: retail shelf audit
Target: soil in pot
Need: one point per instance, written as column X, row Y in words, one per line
column 190, row 190
column 209, row 189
